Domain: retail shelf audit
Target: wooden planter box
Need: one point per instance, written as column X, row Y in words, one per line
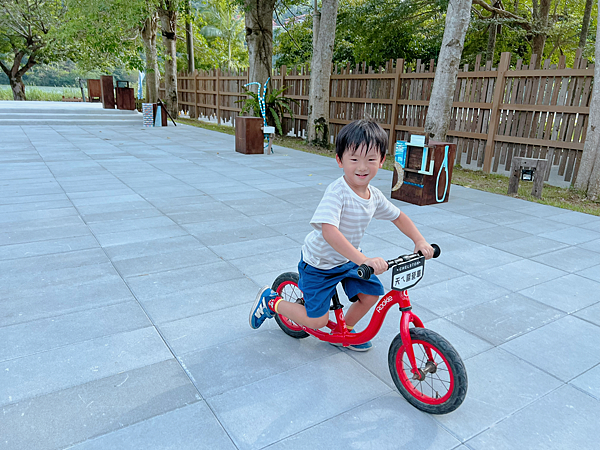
column 108, row 92
column 249, row 137
column 426, row 189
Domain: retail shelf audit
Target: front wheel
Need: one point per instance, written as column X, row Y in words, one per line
column 441, row 383
column 286, row 285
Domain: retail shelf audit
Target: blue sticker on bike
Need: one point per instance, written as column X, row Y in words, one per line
column 408, row 274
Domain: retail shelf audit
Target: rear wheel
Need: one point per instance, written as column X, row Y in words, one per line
column 286, row 285
column 441, row 384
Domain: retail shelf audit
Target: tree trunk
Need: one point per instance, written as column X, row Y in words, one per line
column 541, row 12
column 585, row 24
column 149, row 32
column 259, row 36
column 16, row 72
column 588, row 176
column 189, row 39
column 168, row 23
column 320, row 76
column 18, row 88
column 316, row 23
column 446, row 74
column 491, row 45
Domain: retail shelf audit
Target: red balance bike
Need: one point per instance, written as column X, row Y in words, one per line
column 426, row 369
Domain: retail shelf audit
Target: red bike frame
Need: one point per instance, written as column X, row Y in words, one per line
column 340, row 334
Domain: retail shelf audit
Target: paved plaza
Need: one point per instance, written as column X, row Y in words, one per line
column 130, row 257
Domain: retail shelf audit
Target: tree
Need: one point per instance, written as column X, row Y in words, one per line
column 320, row 74
column 259, row 37
column 588, row 176
column 108, row 34
column 226, row 23
column 148, row 33
column 437, row 121
column 585, row 23
column 28, row 37
column 167, row 13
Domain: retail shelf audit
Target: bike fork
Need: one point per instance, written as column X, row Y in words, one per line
column 430, row 366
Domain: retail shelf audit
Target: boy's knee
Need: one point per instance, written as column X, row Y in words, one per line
column 319, row 322
column 368, row 299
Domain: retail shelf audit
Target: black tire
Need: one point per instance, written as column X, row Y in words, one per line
column 286, row 285
column 449, row 375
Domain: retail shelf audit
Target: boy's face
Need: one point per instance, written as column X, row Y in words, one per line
column 360, row 166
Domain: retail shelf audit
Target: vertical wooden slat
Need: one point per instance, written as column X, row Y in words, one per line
column 498, row 91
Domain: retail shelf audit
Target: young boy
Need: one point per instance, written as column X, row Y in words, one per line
column 331, row 252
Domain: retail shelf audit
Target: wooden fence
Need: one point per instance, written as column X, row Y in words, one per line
column 497, row 113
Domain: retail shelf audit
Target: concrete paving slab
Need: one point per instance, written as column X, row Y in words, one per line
column 576, row 339
column 58, row 369
column 42, row 335
column 505, row 318
column 457, row 293
column 591, row 313
column 99, row 407
column 542, row 424
column 569, row 293
column 520, row 274
column 384, row 423
column 192, row 427
column 255, row 421
column 572, row 235
column 175, row 232
column 500, row 384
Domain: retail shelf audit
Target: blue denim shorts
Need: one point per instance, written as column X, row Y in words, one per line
column 318, row 285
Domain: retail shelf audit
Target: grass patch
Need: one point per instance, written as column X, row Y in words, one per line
column 566, row 198
column 36, row 94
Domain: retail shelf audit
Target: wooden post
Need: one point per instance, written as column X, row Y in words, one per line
column 518, row 163
column 218, row 98
column 494, row 119
column 538, row 179
column 513, row 182
column 283, row 71
column 396, row 96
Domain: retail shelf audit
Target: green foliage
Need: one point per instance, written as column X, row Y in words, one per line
column 374, row 31
column 293, row 46
column 564, row 28
column 30, row 28
column 106, row 33
column 220, row 34
column 276, row 104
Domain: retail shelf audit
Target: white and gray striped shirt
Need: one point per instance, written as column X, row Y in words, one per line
column 351, row 214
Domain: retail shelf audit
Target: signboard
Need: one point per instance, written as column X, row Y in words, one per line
column 406, row 275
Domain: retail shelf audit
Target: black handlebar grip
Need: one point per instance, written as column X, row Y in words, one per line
column 365, row 271
column 436, row 251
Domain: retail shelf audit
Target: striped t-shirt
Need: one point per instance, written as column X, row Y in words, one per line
column 343, row 208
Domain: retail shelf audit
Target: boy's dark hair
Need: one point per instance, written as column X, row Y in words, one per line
column 359, row 132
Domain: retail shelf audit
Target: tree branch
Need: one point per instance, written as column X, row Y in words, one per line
column 524, row 23
column 4, row 69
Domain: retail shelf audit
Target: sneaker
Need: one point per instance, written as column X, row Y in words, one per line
column 260, row 310
column 358, row 347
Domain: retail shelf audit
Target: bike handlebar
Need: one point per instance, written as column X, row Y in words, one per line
column 365, row 271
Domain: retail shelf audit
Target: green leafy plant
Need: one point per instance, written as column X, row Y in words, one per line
column 276, row 104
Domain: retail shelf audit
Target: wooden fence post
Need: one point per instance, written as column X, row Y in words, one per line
column 495, row 115
column 396, row 96
column 218, row 98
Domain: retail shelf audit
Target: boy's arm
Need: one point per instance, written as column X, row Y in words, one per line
column 407, row 227
column 340, row 244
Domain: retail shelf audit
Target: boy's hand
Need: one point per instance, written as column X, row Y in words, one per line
column 379, row 265
column 424, row 248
